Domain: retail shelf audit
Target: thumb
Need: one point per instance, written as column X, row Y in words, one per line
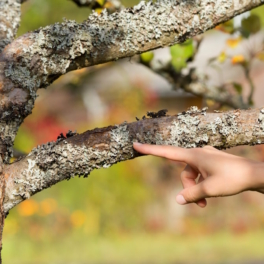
column 193, row 194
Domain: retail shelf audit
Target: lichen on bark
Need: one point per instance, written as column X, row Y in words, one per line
column 101, row 148
column 9, row 21
column 36, row 59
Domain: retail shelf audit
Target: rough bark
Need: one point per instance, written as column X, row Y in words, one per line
column 101, row 148
column 36, row 59
column 9, row 21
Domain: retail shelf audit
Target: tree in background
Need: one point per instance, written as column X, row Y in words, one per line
column 37, row 58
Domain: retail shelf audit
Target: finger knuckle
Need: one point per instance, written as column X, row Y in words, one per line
column 189, row 196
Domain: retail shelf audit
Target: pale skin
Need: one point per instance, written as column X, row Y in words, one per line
column 210, row 172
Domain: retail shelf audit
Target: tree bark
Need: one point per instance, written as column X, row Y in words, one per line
column 49, row 164
column 9, row 21
column 36, row 59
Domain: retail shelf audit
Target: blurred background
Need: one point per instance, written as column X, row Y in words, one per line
column 128, row 213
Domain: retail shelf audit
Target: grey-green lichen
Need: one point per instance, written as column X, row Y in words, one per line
column 36, row 59
column 259, row 127
column 56, row 161
column 55, row 49
column 9, row 21
column 184, row 131
column 189, row 130
column 7, row 137
column 53, row 162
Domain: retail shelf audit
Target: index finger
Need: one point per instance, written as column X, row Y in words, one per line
column 169, row 152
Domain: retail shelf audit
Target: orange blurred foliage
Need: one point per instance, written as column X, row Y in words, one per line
column 233, row 42
column 28, row 208
column 78, row 218
column 238, row 59
column 48, row 206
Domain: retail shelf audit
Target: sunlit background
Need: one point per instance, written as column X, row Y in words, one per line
column 128, row 213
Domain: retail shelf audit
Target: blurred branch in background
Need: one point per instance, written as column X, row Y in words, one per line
column 197, row 86
column 182, row 73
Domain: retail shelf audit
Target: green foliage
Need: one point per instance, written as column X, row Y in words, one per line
column 259, row 11
column 251, row 25
column 238, row 87
column 25, row 141
column 227, row 27
column 147, row 57
column 180, row 54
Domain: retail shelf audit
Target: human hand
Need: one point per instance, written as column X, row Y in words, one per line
column 209, row 172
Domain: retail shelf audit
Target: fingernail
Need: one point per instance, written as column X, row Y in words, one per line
column 180, row 200
column 137, row 143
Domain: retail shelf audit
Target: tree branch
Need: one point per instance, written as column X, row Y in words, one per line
column 36, row 59
column 9, row 21
column 100, row 148
column 193, row 84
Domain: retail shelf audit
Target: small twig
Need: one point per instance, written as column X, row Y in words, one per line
column 251, row 85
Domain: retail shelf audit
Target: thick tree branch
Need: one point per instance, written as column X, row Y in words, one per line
column 36, row 59
column 9, row 21
column 101, row 148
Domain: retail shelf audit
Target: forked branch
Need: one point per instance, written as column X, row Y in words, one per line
column 36, row 59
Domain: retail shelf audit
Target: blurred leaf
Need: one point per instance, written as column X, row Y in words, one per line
column 238, row 87
column 178, row 63
column 259, row 11
column 188, row 49
column 233, row 42
column 238, row 59
column 147, row 57
column 180, row 54
column 78, row 218
column 99, row 10
column 108, row 5
column 250, row 25
column 210, row 102
column 222, row 57
column 100, row 2
column 227, row 27
column 48, row 206
column 28, row 207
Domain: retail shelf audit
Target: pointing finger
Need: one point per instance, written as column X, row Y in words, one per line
column 169, row 152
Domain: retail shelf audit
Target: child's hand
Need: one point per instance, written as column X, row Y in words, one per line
column 210, row 172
